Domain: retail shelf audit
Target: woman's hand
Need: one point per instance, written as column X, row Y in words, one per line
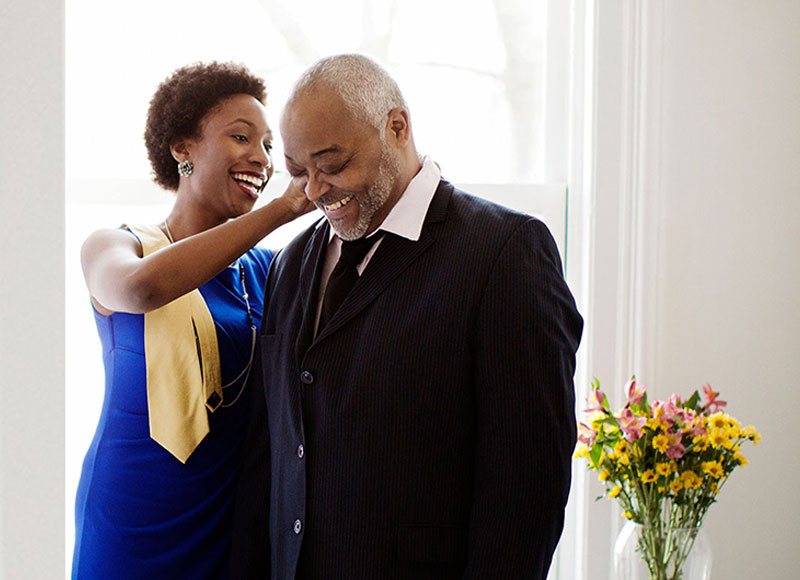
column 121, row 280
column 296, row 199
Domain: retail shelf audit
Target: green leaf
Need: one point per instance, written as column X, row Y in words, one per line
column 693, row 402
column 594, row 454
column 609, row 420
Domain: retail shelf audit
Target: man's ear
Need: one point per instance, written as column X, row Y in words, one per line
column 398, row 126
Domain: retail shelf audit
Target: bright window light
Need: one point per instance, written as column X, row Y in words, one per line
column 472, row 71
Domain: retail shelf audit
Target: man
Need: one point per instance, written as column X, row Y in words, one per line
column 424, row 429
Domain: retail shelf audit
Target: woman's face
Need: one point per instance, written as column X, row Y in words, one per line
column 231, row 157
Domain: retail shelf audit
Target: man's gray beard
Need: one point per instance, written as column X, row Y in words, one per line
column 377, row 195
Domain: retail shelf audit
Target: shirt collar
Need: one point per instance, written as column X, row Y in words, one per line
column 408, row 214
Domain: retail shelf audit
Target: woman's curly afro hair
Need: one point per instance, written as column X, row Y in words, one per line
column 180, row 103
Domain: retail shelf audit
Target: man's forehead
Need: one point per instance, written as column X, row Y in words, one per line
column 313, row 127
column 302, row 137
column 304, row 114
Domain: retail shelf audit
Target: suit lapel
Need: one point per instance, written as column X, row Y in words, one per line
column 310, row 272
column 393, row 256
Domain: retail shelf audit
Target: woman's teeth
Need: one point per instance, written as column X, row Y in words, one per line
column 257, row 182
column 337, row 204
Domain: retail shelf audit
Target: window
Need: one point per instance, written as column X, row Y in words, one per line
column 484, row 80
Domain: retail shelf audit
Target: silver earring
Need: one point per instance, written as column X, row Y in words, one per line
column 185, row 168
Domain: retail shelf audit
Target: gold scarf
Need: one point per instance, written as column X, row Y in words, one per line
column 182, row 360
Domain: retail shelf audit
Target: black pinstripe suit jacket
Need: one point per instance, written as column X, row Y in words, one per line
column 427, row 431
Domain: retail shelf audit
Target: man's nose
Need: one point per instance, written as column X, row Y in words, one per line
column 316, row 187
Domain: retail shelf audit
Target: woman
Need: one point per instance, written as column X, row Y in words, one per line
column 177, row 307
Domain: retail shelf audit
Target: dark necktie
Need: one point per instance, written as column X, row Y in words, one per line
column 344, row 276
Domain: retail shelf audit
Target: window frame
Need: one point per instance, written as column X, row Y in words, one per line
column 586, row 168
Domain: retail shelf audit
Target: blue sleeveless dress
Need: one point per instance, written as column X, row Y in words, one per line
column 141, row 513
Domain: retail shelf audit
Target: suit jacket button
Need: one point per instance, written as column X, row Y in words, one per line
column 300, row 451
column 298, row 526
column 306, row 378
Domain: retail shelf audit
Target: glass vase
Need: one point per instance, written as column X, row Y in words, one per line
column 661, row 553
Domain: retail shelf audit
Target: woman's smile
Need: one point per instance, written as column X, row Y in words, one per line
column 250, row 183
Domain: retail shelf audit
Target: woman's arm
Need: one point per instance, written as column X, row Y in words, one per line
column 120, row 280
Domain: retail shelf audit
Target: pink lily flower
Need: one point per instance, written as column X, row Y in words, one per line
column 586, row 434
column 631, row 425
column 712, row 404
column 695, row 431
column 635, row 392
column 674, row 404
column 595, row 400
column 688, row 416
column 675, row 449
column 665, row 410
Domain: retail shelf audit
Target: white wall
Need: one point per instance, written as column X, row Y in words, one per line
column 31, row 289
column 694, row 252
column 728, row 255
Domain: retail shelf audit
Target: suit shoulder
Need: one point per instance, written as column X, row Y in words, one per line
column 481, row 217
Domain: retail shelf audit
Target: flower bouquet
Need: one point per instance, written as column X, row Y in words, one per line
column 665, row 463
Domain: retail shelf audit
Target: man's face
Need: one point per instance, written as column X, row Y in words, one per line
column 342, row 164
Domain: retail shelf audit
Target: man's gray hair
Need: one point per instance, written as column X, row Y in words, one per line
column 368, row 92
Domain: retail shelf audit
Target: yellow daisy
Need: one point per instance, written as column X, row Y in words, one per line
column 661, row 442
column 718, row 421
column 717, row 438
column 663, row 469
column 691, row 479
column 713, row 468
column 701, row 442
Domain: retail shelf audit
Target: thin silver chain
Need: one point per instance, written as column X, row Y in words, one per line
column 253, row 330
column 169, row 233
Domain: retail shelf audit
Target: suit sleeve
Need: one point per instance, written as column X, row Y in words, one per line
column 250, row 547
column 527, row 332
